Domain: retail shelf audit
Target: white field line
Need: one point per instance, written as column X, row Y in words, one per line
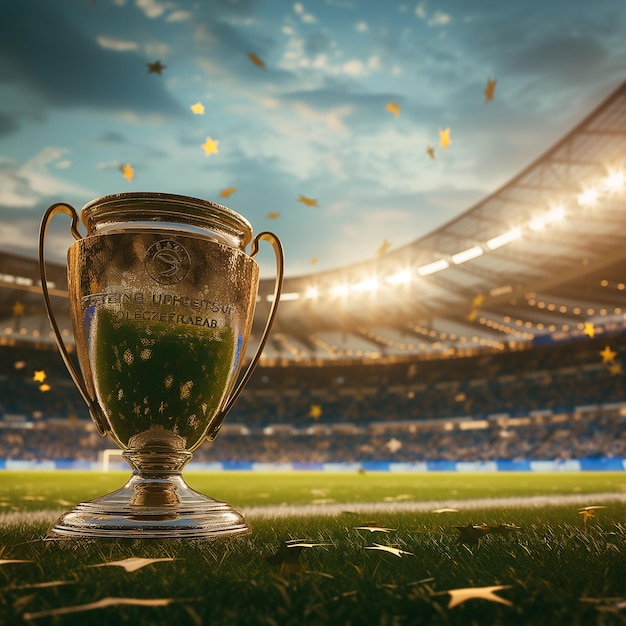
column 338, row 508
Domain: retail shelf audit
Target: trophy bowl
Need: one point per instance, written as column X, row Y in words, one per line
column 162, row 296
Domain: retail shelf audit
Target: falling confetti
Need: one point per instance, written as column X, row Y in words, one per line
column 272, row 216
column 393, row 445
column 39, row 376
column 156, row 67
column 132, row 564
column 11, row 561
column 307, row 201
column 395, row 551
column 608, row 356
column 382, row 249
column 315, row 412
column 430, row 151
column 374, row 529
column 255, row 59
column 227, row 192
column 314, row 260
column 478, row 301
column 616, row 369
column 197, row 108
column 18, row 309
column 44, row 388
column 444, row 138
column 127, row 171
column 489, row 89
column 589, row 329
column 393, row 107
column 210, row 146
column 458, row 596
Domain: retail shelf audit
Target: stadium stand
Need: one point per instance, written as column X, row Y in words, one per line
column 425, row 354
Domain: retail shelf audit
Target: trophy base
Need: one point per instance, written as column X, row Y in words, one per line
column 152, row 508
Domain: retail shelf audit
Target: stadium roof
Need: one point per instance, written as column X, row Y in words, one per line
column 542, row 258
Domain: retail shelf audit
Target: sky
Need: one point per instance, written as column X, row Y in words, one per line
column 322, row 113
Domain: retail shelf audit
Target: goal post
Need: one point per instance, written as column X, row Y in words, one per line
column 109, row 457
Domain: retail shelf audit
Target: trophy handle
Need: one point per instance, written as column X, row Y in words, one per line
column 278, row 286
column 94, row 409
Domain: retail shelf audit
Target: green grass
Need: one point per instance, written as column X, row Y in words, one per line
column 554, row 564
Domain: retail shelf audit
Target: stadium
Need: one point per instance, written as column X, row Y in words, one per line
column 496, row 340
column 433, row 436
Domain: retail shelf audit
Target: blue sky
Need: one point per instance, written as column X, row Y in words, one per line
column 77, row 102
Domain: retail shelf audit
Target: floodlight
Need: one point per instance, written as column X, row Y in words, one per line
column 467, row 255
column 590, row 196
column 503, row 239
column 340, row 290
column 401, row 277
column 369, row 284
column 311, row 293
column 431, row 268
column 614, row 182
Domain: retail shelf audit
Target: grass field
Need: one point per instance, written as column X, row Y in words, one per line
column 553, row 565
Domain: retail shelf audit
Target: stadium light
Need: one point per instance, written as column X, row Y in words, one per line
column 614, row 181
column 431, row 268
column 537, row 223
column 502, row 240
column 400, row 278
column 340, row 291
column 311, row 293
column 588, row 197
column 369, row 284
column 555, row 214
column 467, row 255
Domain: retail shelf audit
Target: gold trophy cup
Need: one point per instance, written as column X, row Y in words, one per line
column 162, row 296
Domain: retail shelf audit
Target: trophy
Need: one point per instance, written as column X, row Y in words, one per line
column 162, row 296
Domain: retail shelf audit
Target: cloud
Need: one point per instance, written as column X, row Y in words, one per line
column 23, row 186
column 119, row 45
column 48, row 56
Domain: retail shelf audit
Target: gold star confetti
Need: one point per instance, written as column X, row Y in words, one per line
column 616, row 369
column 127, row 171
column 197, row 108
column 589, row 329
column 382, row 249
column 45, row 387
column 255, row 59
column 395, row 551
column 393, row 107
column 586, row 515
column 472, row 315
column 489, row 89
column 458, row 596
column 444, row 138
column 156, row 67
column 210, row 146
column 132, row 564
column 18, row 309
column 478, row 301
column 430, row 151
column 273, row 216
column 226, row 193
column 315, row 412
column 608, row 356
column 307, row 201
column 39, row 376
column 314, row 260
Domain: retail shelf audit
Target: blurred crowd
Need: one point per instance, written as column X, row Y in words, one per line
column 555, row 402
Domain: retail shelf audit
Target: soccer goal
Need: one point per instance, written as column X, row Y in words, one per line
column 112, row 459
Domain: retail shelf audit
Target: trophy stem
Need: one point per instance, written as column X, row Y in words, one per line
column 155, row 503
